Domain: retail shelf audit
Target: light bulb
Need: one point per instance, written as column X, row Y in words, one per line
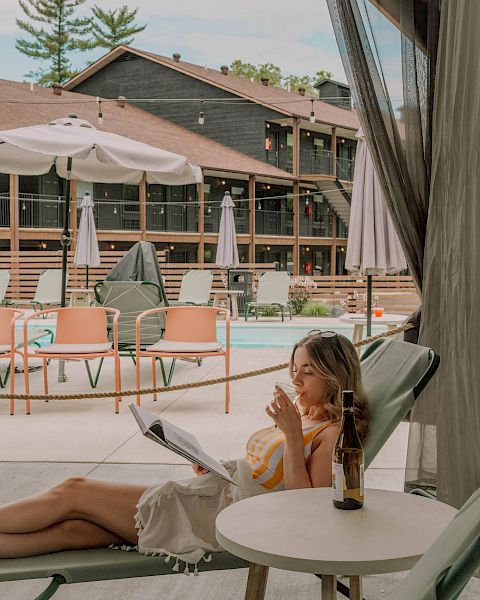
column 115, row 210
column 162, row 210
column 100, row 115
column 312, row 114
column 100, row 118
column 24, row 206
column 307, row 202
column 259, row 206
column 201, row 118
column 209, row 210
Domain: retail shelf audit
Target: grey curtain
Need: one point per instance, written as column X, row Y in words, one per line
column 428, row 173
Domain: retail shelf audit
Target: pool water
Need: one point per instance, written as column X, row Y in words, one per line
column 272, row 335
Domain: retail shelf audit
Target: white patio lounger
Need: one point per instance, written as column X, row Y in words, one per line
column 195, row 288
column 272, row 290
column 48, row 292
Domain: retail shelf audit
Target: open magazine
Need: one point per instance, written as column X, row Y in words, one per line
column 178, row 440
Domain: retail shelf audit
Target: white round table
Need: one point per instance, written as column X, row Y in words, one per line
column 301, row 530
column 360, row 321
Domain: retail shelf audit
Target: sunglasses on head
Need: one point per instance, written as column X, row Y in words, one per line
column 330, row 336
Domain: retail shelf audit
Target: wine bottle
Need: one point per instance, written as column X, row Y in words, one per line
column 347, row 463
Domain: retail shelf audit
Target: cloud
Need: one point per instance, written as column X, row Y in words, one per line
column 297, row 37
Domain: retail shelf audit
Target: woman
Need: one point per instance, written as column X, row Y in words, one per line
column 178, row 518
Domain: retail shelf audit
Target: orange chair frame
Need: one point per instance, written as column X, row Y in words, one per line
column 8, row 316
column 71, row 329
column 186, row 324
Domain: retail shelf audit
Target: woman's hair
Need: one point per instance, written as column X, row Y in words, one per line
column 335, row 360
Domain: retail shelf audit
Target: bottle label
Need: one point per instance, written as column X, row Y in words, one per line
column 337, row 481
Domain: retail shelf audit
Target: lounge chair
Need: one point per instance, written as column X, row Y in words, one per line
column 4, row 281
column 8, row 316
column 81, row 334
column 272, row 290
column 445, row 569
column 191, row 333
column 48, row 292
column 415, row 365
column 195, row 288
column 132, row 298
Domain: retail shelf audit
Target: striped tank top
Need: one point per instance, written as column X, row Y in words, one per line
column 264, row 453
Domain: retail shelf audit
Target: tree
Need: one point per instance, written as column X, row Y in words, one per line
column 114, row 27
column 276, row 77
column 60, row 32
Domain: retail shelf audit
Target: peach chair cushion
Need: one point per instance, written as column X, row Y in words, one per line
column 79, row 326
column 168, row 346
column 74, row 348
column 5, row 348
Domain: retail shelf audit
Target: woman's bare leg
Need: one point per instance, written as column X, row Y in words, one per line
column 111, row 506
column 67, row 535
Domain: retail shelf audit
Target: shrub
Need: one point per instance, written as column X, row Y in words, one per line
column 268, row 311
column 301, row 291
column 315, row 309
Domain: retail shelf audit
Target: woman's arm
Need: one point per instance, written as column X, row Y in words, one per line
column 287, row 418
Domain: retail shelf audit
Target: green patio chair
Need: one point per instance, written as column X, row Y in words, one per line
column 195, row 288
column 445, row 569
column 48, row 292
column 132, row 298
column 272, row 290
column 394, row 372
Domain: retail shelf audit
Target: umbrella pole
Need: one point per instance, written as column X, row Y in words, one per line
column 65, row 242
column 369, row 305
column 87, row 277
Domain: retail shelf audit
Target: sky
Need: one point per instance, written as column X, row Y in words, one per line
column 298, row 37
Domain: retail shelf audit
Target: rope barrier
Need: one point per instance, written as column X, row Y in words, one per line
column 184, row 386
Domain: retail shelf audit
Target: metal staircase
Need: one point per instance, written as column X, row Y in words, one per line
column 338, row 197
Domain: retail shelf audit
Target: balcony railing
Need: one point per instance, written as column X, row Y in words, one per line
column 114, row 214
column 323, row 227
column 40, row 211
column 171, row 216
column 4, row 210
column 212, row 219
column 272, row 222
column 345, row 168
column 316, row 162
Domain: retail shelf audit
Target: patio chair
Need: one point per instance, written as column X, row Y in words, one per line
column 191, row 333
column 8, row 316
column 132, row 298
column 195, row 288
column 389, row 404
column 445, row 569
column 272, row 290
column 48, row 292
column 4, row 281
column 81, row 334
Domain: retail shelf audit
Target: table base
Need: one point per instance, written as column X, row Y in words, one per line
column 257, row 584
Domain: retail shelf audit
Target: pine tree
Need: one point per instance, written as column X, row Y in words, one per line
column 60, row 33
column 114, row 27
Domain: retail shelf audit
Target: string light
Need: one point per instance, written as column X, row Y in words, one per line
column 259, row 205
column 201, row 115
column 312, row 114
column 100, row 115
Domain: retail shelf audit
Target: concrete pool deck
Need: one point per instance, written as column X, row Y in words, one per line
column 85, row 437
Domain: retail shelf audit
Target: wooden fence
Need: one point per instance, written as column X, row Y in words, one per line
column 397, row 294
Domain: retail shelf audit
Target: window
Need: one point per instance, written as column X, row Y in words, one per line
column 290, row 147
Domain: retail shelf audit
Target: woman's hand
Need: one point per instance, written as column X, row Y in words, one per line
column 198, row 470
column 285, row 414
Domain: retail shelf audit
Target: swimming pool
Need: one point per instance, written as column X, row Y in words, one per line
column 261, row 335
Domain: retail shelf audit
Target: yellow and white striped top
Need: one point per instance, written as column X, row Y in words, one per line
column 264, row 453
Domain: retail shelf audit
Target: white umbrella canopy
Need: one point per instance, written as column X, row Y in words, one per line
column 87, row 253
column 97, row 155
column 373, row 245
column 227, row 251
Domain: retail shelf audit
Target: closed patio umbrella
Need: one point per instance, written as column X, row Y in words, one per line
column 373, row 246
column 227, row 251
column 87, row 253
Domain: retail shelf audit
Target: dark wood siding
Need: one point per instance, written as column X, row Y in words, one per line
column 241, row 127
